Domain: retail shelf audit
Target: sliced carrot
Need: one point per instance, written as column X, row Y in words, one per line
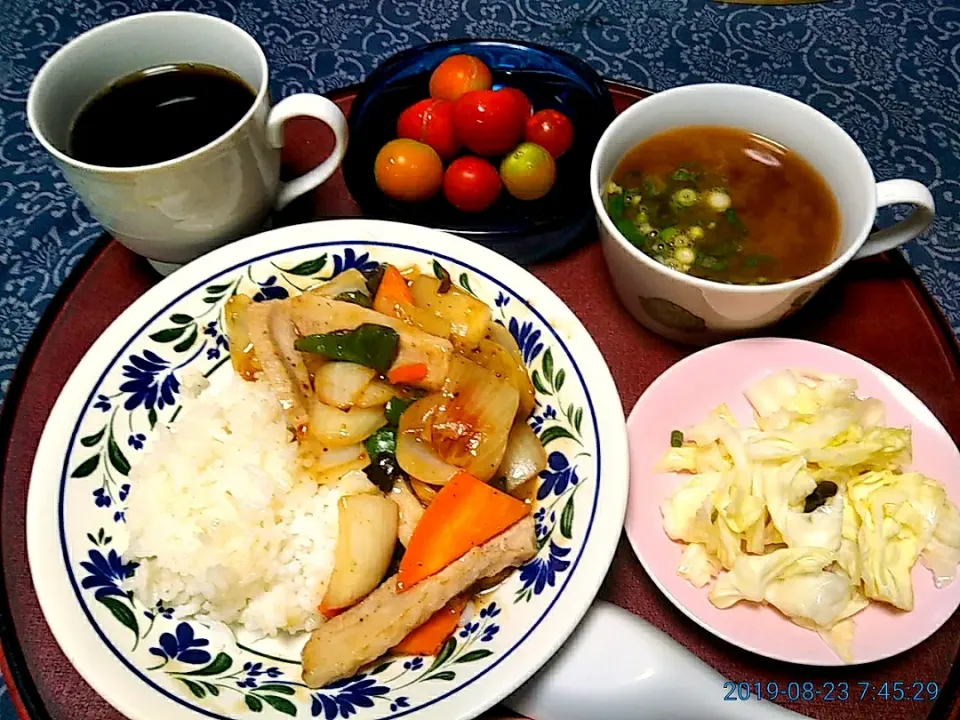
column 393, row 288
column 465, row 513
column 407, row 374
column 430, row 637
column 330, row 613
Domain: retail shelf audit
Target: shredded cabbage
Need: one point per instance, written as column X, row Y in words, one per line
column 809, row 510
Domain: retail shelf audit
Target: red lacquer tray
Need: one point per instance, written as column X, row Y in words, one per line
column 876, row 309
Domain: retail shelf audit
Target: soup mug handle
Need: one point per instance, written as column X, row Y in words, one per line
column 315, row 106
column 900, row 192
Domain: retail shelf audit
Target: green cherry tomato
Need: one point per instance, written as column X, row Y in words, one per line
column 528, row 172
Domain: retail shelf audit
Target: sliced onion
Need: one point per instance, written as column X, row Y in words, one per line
column 410, row 510
column 467, row 316
column 242, row 354
column 416, row 456
column 366, row 538
column 348, row 281
column 329, row 464
column 502, row 336
column 414, row 317
column 524, row 458
column 497, row 359
column 470, row 429
column 425, row 493
column 340, row 383
column 335, row 428
column 375, row 394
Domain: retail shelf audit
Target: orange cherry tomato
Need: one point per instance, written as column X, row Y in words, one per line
column 430, row 121
column 459, row 74
column 471, row 184
column 408, row 170
column 528, row 172
column 550, row 129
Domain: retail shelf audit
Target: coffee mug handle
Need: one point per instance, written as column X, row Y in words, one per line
column 324, row 110
column 900, row 192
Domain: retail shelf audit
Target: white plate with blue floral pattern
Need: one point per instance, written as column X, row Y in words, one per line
column 151, row 664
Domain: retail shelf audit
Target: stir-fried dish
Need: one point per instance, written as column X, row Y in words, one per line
column 405, row 376
column 812, row 510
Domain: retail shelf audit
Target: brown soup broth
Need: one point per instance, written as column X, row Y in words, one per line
column 782, row 221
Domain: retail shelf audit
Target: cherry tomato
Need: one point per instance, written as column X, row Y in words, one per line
column 488, row 122
column 550, row 129
column 430, row 121
column 528, row 172
column 459, row 74
column 471, row 184
column 408, row 170
column 520, row 97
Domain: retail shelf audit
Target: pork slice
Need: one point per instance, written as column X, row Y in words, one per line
column 344, row 644
column 273, row 336
column 313, row 314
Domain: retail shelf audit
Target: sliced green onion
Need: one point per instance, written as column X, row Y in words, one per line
column 731, row 215
column 695, row 232
column 684, row 175
column 636, row 200
column 612, row 188
column 676, row 439
column 642, row 218
column 718, row 200
column 685, row 255
column 681, row 241
column 667, row 234
column 615, row 206
column 686, row 197
column 709, row 262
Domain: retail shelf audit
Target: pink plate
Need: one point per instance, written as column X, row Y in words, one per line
column 683, row 396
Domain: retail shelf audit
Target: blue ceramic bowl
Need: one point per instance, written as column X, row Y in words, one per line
column 526, row 232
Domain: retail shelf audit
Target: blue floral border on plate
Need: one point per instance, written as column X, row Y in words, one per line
column 245, row 263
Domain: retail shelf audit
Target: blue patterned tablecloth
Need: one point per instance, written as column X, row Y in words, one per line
column 888, row 72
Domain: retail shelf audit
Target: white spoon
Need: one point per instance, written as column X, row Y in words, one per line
column 617, row 666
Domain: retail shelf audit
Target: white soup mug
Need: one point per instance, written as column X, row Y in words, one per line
column 690, row 309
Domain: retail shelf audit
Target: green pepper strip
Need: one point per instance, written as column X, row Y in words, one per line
column 443, row 276
column 356, row 297
column 383, row 440
column 375, row 346
column 373, row 277
column 395, row 408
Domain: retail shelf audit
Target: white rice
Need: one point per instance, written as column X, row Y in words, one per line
column 224, row 523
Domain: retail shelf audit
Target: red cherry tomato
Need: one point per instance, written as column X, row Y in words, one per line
column 430, row 121
column 488, row 122
column 408, row 170
column 520, row 97
column 471, row 184
column 528, row 172
column 550, row 129
column 459, row 74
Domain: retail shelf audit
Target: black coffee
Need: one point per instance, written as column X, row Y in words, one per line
column 159, row 114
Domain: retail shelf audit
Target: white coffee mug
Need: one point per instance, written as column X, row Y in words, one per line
column 174, row 211
column 689, row 309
